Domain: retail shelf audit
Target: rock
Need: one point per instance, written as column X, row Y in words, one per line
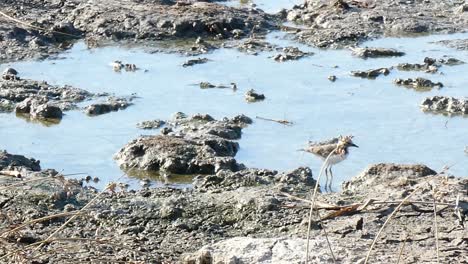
column 197, row 144
column 118, row 66
column 291, row 53
column 371, row 74
column 10, row 74
column 451, row 61
column 39, row 109
column 376, row 52
column 253, row 96
column 21, row 95
column 151, row 124
column 332, row 78
column 194, row 62
column 46, row 111
column 242, row 120
column 417, row 67
column 418, row 83
column 253, row 46
column 10, row 71
column 17, row 162
column 113, row 104
column 445, row 105
column 337, row 24
column 258, row 250
column 459, row 44
column 380, row 175
column 143, row 21
column 229, row 180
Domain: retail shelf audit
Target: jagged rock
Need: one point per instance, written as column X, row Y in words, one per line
column 192, row 62
column 291, row 53
column 228, row 180
column 17, row 162
column 113, row 104
column 371, row 74
column 197, row 144
column 445, row 105
column 23, row 93
column 376, row 52
column 418, row 83
column 151, row 124
column 253, row 96
column 380, row 175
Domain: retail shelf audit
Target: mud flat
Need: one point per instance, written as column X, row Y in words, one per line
column 233, row 216
column 344, row 23
column 38, row 29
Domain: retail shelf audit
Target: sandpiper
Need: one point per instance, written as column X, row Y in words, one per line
column 339, row 146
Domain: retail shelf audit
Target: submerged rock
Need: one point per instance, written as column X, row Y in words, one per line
column 291, row 53
column 113, row 104
column 376, row 52
column 418, row 83
column 253, row 46
column 445, row 105
column 371, row 74
column 194, row 62
column 197, row 144
column 252, row 96
column 151, row 124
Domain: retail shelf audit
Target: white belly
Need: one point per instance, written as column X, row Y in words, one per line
column 337, row 158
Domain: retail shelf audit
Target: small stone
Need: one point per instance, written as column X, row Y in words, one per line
column 252, row 96
column 332, row 78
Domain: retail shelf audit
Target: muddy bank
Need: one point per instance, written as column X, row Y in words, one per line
column 346, row 23
column 171, row 225
column 38, row 29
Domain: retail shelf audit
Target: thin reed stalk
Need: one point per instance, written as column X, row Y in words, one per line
column 387, row 221
column 312, row 206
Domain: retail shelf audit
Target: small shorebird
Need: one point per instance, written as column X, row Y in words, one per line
column 339, row 146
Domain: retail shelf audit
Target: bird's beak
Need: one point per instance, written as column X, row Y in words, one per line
column 353, row 145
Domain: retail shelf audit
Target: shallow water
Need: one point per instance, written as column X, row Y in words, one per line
column 269, row 6
column 384, row 118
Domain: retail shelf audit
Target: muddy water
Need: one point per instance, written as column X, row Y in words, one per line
column 385, row 119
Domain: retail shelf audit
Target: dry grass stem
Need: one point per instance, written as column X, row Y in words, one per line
column 402, row 249
column 35, row 27
column 436, row 231
column 38, row 220
column 388, row 220
column 312, row 205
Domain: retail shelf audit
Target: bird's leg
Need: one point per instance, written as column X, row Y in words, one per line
column 331, row 179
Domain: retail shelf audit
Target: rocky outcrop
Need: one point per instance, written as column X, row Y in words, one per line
column 346, row 23
column 248, row 218
column 39, row 99
column 376, row 52
column 57, row 24
column 11, row 162
column 198, row 144
column 113, row 104
column 371, row 74
column 445, row 105
column 418, row 83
